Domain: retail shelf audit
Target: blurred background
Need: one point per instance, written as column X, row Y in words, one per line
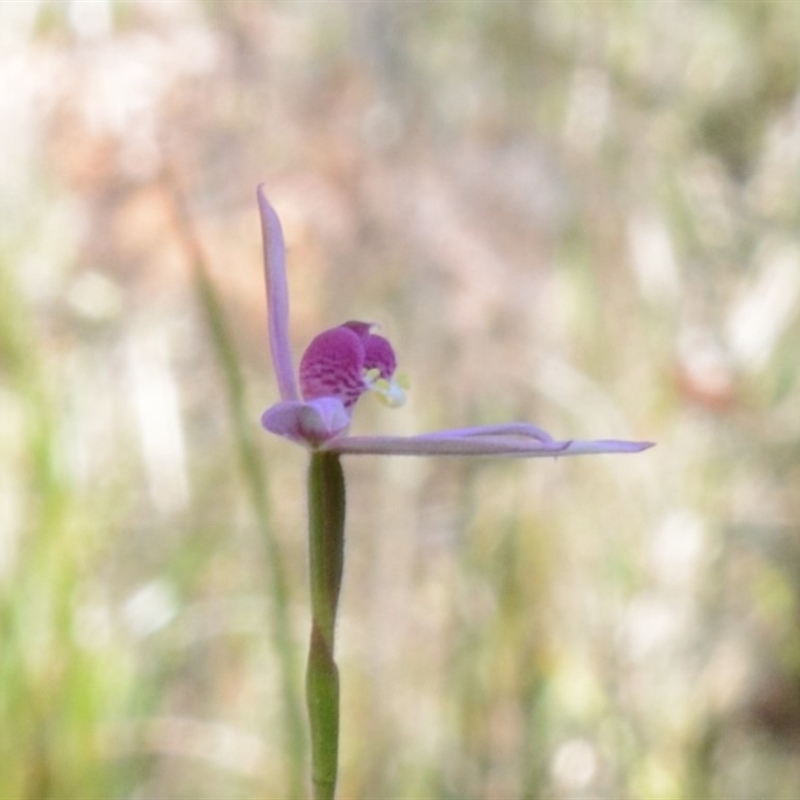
column 579, row 214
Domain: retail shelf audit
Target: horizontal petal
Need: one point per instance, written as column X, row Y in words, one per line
column 478, row 442
column 310, row 424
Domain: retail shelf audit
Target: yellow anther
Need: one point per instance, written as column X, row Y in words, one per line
column 390, row 392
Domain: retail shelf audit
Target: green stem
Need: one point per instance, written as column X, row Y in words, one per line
column 326, row 500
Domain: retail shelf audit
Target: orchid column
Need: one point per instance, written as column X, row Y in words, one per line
column 339, row 366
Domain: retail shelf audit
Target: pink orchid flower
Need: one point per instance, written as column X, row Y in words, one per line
column 345, row 362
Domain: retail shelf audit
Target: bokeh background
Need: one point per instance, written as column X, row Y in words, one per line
column 580, row 214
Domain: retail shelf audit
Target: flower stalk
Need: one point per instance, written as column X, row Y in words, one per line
column 326, row 501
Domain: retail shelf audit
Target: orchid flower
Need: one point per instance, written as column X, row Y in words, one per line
column 343, row 363
column 339, row 366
